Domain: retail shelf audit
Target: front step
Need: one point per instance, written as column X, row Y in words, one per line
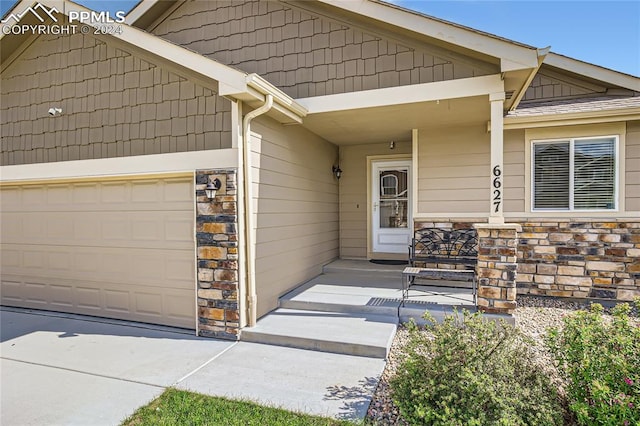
column 360, row 334
column 354, row 293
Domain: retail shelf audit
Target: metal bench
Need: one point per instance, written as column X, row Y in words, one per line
column 441, row 254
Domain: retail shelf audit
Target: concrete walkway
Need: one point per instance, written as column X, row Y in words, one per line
column 74, row 370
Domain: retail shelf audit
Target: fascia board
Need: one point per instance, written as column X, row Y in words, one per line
column 139, row 10
column 451, row 89
column 512, row 56
column 627, row 114
column 593, row 71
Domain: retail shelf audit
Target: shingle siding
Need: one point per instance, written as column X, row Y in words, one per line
column 545, row 87
column 114, row 105
column 305, row 54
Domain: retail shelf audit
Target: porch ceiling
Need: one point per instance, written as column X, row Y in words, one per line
column 387, row 123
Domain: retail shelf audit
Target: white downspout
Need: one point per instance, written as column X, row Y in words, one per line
column 250, row 248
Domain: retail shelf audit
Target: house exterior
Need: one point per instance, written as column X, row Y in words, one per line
column 111, row 133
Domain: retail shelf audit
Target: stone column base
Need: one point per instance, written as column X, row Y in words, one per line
column 497, row 267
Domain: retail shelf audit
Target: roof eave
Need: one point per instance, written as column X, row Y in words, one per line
column 207, row 72
column 512, row 56
column 593, row 71
column 585, row 117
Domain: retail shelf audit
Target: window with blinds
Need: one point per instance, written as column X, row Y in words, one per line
column 575, row 174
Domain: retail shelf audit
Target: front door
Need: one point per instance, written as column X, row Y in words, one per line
column 391, row 206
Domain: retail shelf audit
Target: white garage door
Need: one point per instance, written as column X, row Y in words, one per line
column 111, row 248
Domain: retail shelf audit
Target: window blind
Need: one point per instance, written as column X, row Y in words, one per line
column 551, row 175
column 594, row 174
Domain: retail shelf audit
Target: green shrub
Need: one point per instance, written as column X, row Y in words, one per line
column 472, row 371
column 600, row 360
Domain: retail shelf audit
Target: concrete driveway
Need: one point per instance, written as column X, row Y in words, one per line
column 68, row 370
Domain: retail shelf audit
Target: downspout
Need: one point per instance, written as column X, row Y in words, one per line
column 250, row 251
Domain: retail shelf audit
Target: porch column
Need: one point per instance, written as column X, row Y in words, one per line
column 497, row 267
column 496, row 187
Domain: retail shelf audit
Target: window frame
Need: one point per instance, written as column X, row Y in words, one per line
column 571, row 141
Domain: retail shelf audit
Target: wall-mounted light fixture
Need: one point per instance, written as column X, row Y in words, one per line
column 55, row 111
column 392, row 144
column 337, row 172
column 212, row 187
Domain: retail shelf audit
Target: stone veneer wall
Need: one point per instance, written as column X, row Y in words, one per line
column 573, row 258
column 217, row 251
column 590, row 258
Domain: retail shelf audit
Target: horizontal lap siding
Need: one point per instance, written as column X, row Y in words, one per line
column 353, row 194
column 305, row 54
column 114, row 105
column 453, row 171
column 632, row 166
column 514, row 171
column 296, row 204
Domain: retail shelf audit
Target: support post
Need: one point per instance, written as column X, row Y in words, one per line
column 497, row 267
column 497, row 167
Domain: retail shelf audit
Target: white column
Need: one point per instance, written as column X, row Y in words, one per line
column 497, row 166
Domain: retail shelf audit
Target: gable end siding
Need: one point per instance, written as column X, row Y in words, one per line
column 547, row 87
column 304, row 54
column 114, row 105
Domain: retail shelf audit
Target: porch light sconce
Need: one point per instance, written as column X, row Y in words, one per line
column 212, row 187
column 392, row 144
column 337, row 172
column 55, row 111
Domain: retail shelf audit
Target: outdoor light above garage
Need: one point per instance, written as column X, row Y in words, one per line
column 212, row 188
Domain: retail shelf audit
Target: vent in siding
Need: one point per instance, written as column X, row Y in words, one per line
column 509, row 94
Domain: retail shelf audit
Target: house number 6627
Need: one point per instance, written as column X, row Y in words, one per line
column 497, row 184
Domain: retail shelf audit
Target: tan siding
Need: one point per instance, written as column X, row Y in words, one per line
column 297, row 208
column 632, row 166
column 353, row 194
column 514, row 171
column 306, row 54
column 114, row 105
column 453, row 170
column 547, row 85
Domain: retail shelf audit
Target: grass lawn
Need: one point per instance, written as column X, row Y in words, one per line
column 175, row 407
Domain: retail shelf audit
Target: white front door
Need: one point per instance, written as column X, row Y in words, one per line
column 391, row 206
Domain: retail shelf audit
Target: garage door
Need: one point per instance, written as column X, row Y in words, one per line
column 112, row 248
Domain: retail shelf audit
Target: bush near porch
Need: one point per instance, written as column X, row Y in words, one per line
column 437, row 375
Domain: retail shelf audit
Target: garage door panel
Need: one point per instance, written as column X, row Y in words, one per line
column 168, row 229
column 121, row 249
column 136, row 303
column 154, row 267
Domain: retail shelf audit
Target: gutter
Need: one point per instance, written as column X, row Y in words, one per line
column 250, row 250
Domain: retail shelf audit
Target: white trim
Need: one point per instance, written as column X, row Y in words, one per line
column 512, row 55
column 390, row 96
column 593, row 71
column 575, row 118
column 496, row 174
column 414, row 176
column 139, row 10
column 135, row 165
column 571, row 141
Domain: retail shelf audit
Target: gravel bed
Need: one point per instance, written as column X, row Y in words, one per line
column 533, row 316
